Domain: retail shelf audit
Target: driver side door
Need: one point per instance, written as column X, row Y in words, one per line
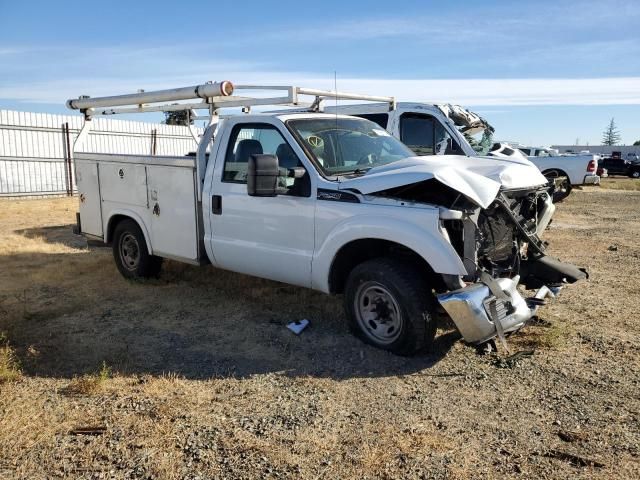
column 269, row 237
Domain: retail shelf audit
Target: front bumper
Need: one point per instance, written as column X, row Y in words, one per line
column 480, row 316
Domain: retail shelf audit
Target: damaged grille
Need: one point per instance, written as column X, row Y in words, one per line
column 504, row 228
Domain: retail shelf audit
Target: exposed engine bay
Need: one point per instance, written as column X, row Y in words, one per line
column 496, row 240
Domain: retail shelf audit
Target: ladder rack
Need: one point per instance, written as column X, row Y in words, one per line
column 213, row 97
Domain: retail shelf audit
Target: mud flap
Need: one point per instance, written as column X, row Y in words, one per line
column 547, row 270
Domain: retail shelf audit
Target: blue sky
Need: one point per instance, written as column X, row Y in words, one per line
column 542, row 72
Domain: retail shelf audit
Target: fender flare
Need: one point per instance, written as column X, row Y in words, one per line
column 133, row 216
column 435, row 249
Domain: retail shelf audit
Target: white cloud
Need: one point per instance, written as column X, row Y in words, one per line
column 476, row 92
column 522, row 91
column 53, row 74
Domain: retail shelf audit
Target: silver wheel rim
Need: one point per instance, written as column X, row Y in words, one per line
column 378, row 313
column 129, row 251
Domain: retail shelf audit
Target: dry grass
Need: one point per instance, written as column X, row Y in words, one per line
column 620, row 183
column 9, row 365
column 204, row 378
column 90, row 384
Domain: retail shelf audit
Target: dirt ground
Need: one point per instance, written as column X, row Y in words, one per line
column 194, row 375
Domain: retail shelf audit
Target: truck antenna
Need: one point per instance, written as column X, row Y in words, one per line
column 335, row 88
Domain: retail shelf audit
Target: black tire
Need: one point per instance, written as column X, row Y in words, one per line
column 565, row 188
column 409, row 294
column 131, row 254
column 635, row 174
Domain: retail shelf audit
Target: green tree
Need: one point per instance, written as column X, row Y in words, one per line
column 179, row 117
column 611, row 136
column 636, row 143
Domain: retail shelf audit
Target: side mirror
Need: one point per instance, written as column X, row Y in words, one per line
column 262, row 176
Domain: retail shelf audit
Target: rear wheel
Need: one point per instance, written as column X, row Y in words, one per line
column 635, row 174
column 131, row 254
column 560, row 183
column 390, row 306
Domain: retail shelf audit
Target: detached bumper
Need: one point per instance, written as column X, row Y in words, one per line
column 493, row 307
column 480, row 316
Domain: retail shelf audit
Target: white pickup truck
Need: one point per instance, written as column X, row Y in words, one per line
column 329, row 202
column 428, row 129
column 565, row 171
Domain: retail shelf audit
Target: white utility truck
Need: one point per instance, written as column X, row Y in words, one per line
column 329, row 202
column 445, row 129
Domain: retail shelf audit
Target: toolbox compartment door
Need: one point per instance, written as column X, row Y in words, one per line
column 87, row 178
column 173, row 209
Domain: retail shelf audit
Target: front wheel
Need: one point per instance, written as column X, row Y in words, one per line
column 635, row 174
column 390, row 306
column 131, row 254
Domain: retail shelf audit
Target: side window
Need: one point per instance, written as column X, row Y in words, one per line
column 257, row 139
column 425, row 135
column 526, row 151
column 381, row 119
column 417, row 133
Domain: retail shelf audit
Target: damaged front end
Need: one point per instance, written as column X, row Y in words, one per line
column 492, row 213
column 500, row 247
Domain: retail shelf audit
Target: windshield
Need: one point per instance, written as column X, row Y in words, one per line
column 348, row 145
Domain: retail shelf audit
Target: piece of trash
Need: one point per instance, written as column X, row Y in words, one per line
column 574, row 460
column 572, row 436
column 97, row 430
column 512, row 360
column 298, row 326
column 613, row 248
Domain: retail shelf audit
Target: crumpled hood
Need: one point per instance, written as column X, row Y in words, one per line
column 477, row 178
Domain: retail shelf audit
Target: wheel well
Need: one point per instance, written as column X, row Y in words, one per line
column 561, row 173
column 358, row 251
column 113, row 223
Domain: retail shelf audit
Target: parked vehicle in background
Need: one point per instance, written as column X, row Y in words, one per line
column 619, row 166
column 428, row 129
column 329, row 202
column 563, row 171
column 633, row 157
column 602, row 172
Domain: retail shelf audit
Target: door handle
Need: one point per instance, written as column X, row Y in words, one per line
column 216, row 205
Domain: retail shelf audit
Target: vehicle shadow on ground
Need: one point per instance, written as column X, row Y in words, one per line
column 74, row 312
column 56, row 234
